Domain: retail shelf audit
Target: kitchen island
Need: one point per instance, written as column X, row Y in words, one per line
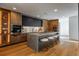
column 36, row 40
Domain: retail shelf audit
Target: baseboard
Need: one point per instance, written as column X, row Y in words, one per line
column 67, row 37
column 74, row 39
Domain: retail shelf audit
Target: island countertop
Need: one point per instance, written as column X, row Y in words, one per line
column 43, row 33
column 33, row 39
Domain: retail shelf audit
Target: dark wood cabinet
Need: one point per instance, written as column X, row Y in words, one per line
column 8, row 18
column 18, row 37
column 4, row 27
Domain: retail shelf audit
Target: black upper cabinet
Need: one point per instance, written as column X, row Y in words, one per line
column 29, row 21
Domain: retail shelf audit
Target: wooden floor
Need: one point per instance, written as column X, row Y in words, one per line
column 61, row 49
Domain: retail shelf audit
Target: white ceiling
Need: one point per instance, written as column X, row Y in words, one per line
column 44, row 10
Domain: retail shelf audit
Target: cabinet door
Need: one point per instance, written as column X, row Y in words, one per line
column 45, row 25
column 53, row 25
column 13, row 18
column 24, row 37
column 16, row 18
column 19, row 19
column 5, row 27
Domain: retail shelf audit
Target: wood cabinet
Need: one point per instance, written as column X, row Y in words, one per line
column 7, row 18
column 4, row 27
column 18, row 37
column 51, row 25
column 45, row 25
column 16, row 18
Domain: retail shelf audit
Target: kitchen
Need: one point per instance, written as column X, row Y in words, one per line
column 21, row 26
column 39, row 29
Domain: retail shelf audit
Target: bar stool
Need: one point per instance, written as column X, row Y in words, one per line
column 51, row 41
column 44, row 43
column 56, row 38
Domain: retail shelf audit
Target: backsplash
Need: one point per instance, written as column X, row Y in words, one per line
column 27, row 29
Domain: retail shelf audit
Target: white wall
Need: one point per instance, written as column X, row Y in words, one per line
column 73, row 27
column 64, row 26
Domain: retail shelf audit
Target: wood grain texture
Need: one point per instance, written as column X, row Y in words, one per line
column 61, row 49
column 50, row 25
column 0, row 27
column 9, row 20
column 53, row 25
column 4, row 26
column 16, row 18
column 45, row 25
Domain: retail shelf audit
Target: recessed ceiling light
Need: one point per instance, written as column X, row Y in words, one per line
column 14, row 8
column 55, row 10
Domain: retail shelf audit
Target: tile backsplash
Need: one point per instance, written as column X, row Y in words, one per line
column 27, row 29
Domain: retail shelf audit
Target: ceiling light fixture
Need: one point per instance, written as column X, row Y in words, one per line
column 55, row 10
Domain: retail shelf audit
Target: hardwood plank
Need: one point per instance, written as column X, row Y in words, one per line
column 21, row 49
